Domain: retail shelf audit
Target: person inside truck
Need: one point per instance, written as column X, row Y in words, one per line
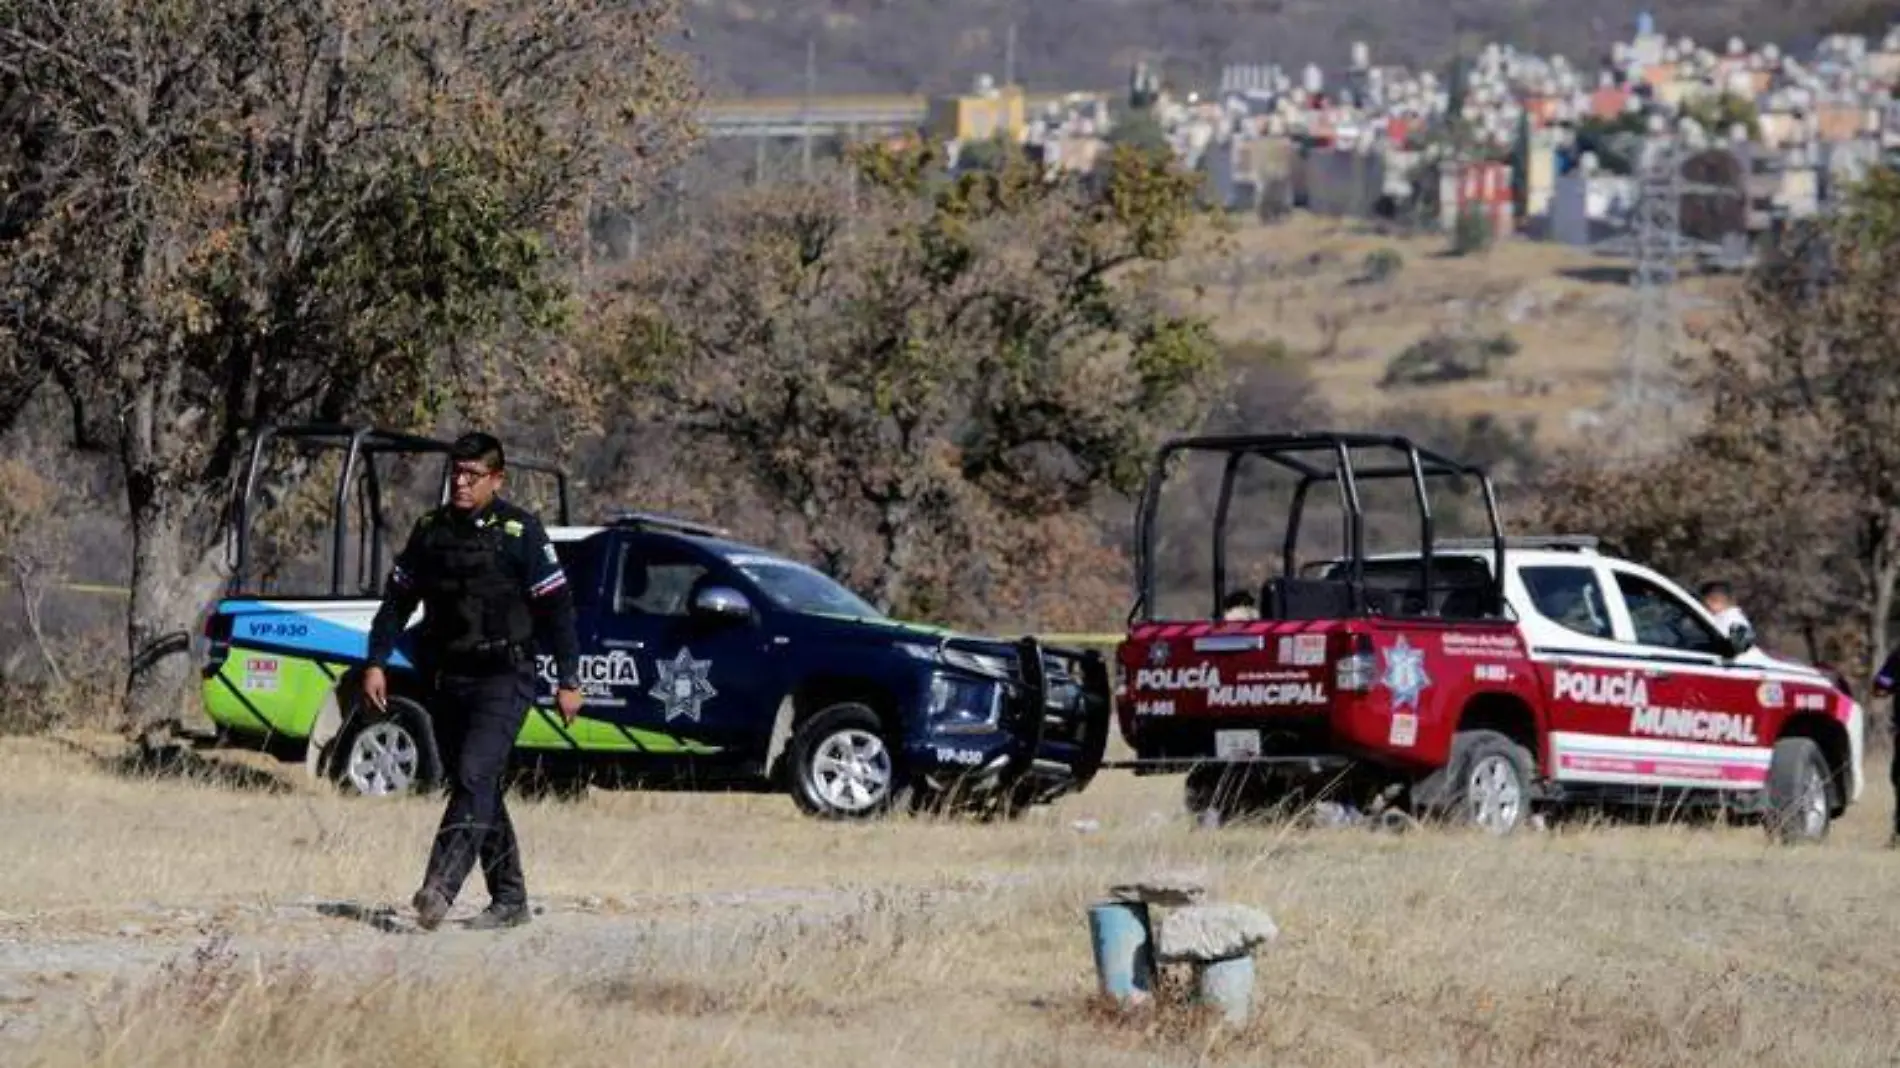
column 1240, row 604
column 1719, row 598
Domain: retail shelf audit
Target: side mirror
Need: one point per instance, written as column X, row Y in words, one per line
column 722, row 603
column 1740, row 638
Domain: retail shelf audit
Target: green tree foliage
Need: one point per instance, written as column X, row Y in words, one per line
column 1717, row 113
column 926, row 368
column 1614, row 141
column 1141, row 129
column 219, row 213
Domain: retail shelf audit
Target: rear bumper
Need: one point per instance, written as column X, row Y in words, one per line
column 1301, row 765
column 1295, row 742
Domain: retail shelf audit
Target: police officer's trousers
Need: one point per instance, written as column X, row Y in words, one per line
column 476, row 721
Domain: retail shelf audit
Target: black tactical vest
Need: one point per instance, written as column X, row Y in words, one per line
column 475, row 604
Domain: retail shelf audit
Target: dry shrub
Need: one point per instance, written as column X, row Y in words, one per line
column 49, row 675
column 84, row 698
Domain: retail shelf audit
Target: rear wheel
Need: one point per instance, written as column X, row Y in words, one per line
column 1799, row 809
column 1488, row 782
column 385, row 754
column 843, row 767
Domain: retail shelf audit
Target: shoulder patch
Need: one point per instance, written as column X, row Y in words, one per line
column 511, row 527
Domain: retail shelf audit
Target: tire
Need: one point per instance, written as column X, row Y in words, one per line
column 1487, row 783
column 386, row 754
column 843, row 767
column 1798, row 802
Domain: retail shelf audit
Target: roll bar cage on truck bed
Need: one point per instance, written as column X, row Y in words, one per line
column 1317, row 458
column 362, row 447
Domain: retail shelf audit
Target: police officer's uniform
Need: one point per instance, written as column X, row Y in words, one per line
column 490, row 585
column 1886, row 680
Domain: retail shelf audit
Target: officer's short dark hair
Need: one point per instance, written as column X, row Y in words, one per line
column 1238, row 599
column 481, row 448
column 1716, row 587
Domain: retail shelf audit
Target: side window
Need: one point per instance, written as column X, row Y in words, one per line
column 1570, row 597
column 1662, row 619
column 655, row 582
column 578, row 563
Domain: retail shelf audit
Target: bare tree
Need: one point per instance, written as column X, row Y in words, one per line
column 220, row 213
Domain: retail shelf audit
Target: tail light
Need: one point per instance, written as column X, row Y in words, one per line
column 214, row 638
column 1353, row 673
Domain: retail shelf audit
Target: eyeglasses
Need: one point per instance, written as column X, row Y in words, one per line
column 464, row 474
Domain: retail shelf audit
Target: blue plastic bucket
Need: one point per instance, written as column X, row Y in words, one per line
column 1124, row 950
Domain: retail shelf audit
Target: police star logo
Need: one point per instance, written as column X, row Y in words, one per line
column 1405, row 674
column 684, row 686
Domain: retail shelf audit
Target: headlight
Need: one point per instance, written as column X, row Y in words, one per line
column 964, row 706
column 995, row 667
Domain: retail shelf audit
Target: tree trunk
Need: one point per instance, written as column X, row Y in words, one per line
column 172, row 581
column 19, row 380
column 894, row 535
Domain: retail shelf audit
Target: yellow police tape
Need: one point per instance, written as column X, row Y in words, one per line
column 84, row 587
column 1081, row 639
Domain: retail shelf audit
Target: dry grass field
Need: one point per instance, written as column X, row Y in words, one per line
column 236, row 916
column 1303, row 282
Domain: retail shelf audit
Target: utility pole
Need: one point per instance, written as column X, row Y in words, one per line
column 1009, row 57
column 1651, row 340
column 811, row 91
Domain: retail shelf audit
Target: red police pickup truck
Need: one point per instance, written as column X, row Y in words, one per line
column 1474, row 679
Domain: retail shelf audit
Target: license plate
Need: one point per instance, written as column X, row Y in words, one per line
column 1235, row 745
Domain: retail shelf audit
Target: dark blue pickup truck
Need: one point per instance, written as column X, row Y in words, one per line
column 707, row 664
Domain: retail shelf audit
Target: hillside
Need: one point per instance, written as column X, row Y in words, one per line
column 752, row 47
column 1305, row 284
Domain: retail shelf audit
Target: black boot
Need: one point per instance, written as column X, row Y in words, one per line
column 431, row 906
column 497, row 916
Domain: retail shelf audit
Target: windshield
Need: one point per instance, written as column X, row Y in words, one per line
column 797, row 588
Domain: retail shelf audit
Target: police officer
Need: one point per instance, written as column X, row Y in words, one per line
column 1885, row 681
column 490, row 585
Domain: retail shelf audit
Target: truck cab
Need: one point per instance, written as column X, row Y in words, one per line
column 1479, row 679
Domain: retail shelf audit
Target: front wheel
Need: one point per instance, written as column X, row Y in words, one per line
column 385, row 754
column 843, row 766
column 1799, row 809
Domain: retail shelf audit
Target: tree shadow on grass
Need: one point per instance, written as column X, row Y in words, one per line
column 180, row 764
